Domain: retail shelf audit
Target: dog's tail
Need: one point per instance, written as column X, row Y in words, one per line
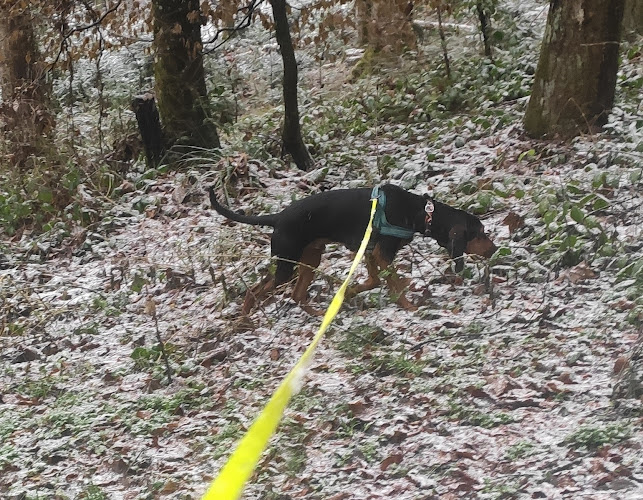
column 257, row 220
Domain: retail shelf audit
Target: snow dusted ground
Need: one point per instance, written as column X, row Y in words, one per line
column 499, row 386
column 481, row 393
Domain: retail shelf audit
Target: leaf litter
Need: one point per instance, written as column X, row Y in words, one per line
column 499, row 386
column 475, row 394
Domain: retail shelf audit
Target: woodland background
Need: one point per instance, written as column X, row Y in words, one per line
column 125, row 369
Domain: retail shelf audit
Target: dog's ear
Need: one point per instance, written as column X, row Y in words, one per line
column 456, row 246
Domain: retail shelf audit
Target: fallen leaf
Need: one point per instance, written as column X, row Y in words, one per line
column 396, row 458
column 170, row 487
column 620, row 364
column 150, row 306
column 477, row 392
column 398, row 437
column 513, row 221
column 356, row 408
column 623, row 305
column 577, row 273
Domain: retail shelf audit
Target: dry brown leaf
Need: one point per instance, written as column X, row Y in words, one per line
column 150, row 306
column 357, row 407
column 620, row 365
column 477, row 392
column 514, row 221
column 577, row 273
column 396, row 458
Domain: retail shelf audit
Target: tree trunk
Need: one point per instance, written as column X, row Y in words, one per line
column 485, row 28
column 575, row 81
column 179, row 73
column 291, row 135
column 149, row 125
column 28, row 122
column 364, row 18
column 385, row 25
column 633, row 17
column 443, row 42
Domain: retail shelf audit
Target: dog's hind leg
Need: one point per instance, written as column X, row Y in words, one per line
column 309, row 261
column 283, row 274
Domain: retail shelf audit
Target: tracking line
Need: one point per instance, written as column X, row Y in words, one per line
column 235, row 473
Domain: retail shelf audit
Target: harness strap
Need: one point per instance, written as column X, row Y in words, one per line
column 381, row 224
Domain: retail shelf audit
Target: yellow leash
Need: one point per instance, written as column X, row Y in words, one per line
column 235, row 473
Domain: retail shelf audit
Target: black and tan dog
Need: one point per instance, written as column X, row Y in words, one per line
column 302, row 230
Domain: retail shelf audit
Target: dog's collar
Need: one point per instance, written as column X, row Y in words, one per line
column 429, row 208
column 381, row 224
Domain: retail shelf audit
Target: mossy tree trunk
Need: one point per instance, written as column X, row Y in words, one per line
column 633, row 17
column 291, row 134
column 385, row 25
column 28, row 121
column 178, row 70
column 149, row 125
column 484, row 16
column 29, row 156
column 575, row 81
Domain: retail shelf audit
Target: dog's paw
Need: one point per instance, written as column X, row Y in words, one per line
column 406, row 304
column 311, row 310
column 243, row 324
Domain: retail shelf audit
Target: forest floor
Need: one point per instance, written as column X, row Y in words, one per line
column 501, row 385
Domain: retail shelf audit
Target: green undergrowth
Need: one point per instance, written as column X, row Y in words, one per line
column 478, row 417
column 368, row 350
column 592, row 437
column 575, row 219
column 410, row 104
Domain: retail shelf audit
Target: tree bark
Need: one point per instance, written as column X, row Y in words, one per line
column 485, row 28
column 385, row 25
column 575, row 81
column 364, row 18
column 291, row 134
column 179, row 73
column 633, row 17
column 28, row 122
column 443, row 42
column 149, row 125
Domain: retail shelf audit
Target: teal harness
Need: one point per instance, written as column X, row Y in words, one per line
column 380, row 224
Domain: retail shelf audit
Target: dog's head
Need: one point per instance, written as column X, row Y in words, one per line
column 459, row 232
column 468, row 236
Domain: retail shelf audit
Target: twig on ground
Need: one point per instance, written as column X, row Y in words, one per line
column 150, row 308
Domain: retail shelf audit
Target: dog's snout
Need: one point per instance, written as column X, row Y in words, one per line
column 481, row 245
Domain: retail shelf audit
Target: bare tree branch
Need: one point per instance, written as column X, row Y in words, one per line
column 78, row 29
column 244, row 23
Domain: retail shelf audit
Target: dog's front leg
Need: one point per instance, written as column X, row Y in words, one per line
column 373, row 280
column 396, row 284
